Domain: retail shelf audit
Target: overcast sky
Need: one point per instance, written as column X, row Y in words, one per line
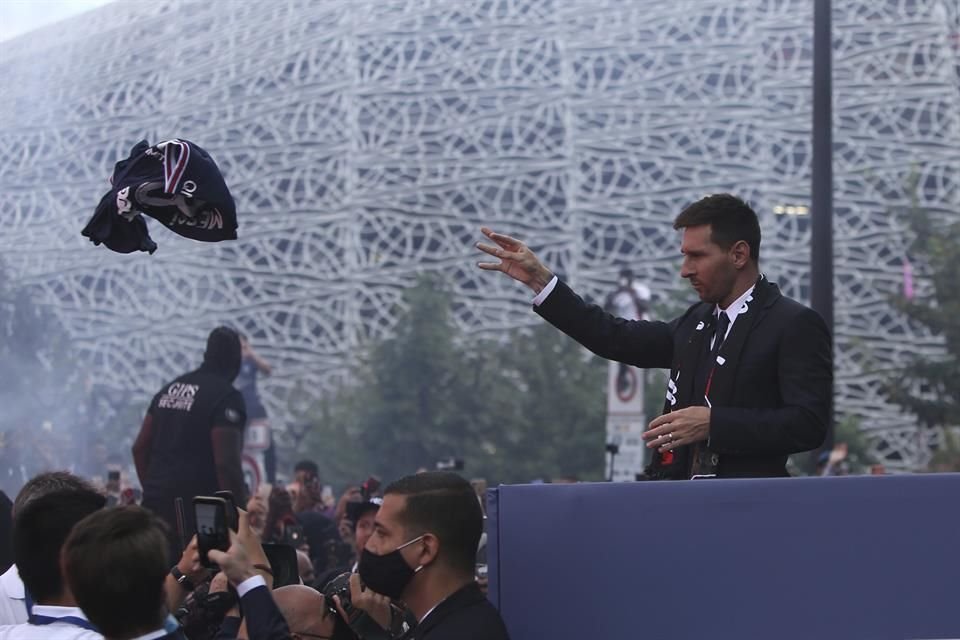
column 21, row 16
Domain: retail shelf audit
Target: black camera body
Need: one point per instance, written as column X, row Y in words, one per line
column 358, row 620
column 202, row 613
column 339, row 586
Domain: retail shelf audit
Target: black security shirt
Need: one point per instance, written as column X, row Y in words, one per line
column 184, row 413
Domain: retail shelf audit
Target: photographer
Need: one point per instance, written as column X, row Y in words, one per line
column 244, row 565
column 184, row 575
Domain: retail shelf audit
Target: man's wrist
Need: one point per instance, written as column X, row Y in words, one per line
column 250, row 583
column 545, row 292
column 540, row 279
column 182, row 579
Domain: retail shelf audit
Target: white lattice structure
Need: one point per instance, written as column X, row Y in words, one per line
column 365, row 140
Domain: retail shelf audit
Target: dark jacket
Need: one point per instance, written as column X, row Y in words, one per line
column 264, row 620
column 782, row 386
column 465, row 615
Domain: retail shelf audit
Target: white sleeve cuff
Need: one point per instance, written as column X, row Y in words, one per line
column 546, row 291
column 250, row 584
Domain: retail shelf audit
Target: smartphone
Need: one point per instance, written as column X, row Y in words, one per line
column 283, row 563
column 210, row 514
column 233, row 518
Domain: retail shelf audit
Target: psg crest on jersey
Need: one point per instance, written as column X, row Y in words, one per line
column 175, row 182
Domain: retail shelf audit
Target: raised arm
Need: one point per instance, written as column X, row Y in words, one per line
column 516, row 260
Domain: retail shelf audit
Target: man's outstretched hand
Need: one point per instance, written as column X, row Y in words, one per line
column 516, row 260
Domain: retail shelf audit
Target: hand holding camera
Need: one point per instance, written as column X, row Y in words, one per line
column 364, row 600
column 189, row 564
column 370, row 615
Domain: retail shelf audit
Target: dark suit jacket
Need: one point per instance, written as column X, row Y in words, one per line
column 264, row 620
column 782, row 386
column 465, row 615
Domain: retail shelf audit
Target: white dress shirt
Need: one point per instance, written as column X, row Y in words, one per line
column 733, row 312
column 54, row 631
column 13, row 607
column 546, row 291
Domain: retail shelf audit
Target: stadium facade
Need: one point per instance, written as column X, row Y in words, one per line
column 367, row 140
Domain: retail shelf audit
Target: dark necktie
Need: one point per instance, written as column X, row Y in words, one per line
column 703, row 462
column 723, row 323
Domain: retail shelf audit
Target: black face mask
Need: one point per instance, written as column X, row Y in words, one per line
column 388, row 574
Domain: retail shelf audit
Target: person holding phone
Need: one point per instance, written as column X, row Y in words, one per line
column 191, row 440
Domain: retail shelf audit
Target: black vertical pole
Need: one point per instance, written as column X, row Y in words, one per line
column 821, row 223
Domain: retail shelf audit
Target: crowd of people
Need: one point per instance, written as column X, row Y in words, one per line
column 750, row 384
column 396, row 563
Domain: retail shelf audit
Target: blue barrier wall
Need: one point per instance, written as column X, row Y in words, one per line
column 803, row 558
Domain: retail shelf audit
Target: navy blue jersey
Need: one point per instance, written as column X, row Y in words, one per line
column 175, row 182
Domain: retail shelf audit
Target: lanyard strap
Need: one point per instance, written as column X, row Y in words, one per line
column 71, row 620
column 37, row 620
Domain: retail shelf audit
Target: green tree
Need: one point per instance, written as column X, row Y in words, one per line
column 515, row 407
column 929, row 387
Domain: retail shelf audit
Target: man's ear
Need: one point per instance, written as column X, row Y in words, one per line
column 430, row 549
column 741, row 254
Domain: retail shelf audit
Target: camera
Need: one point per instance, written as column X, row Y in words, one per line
column 359, row 622
column 339, row 586
column 202, row 613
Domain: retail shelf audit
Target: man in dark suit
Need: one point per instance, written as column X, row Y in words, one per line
column 423, row 551
column 751, row 370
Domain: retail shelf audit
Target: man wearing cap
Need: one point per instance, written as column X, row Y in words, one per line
column 191, row 440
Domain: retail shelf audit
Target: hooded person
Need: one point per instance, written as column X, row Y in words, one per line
column 191, row 440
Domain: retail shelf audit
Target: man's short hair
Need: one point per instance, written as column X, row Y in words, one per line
column 444, row 504
column 46, row 483
column 307, row 465
column 116, row 564
column 730, row 218
column 39, row 532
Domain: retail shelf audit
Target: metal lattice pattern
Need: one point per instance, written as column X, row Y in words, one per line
column 367, row 140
